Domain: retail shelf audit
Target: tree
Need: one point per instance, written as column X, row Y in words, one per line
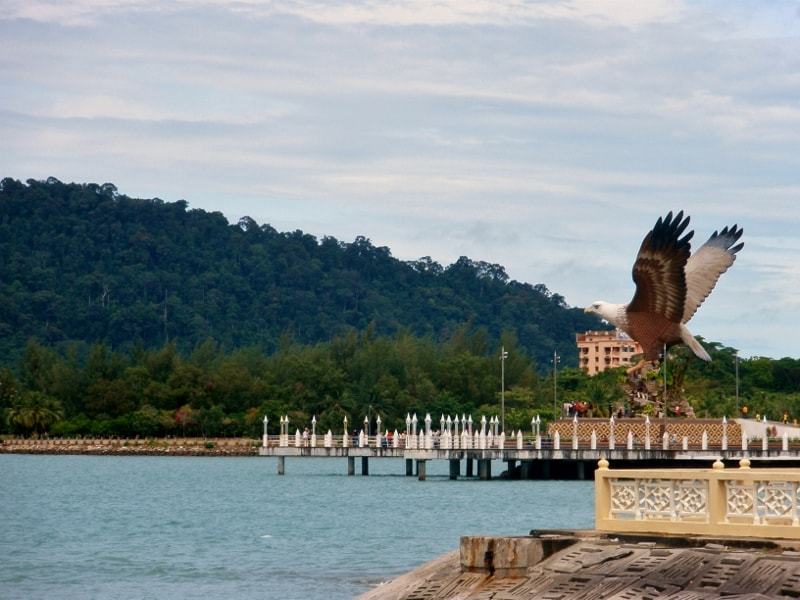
column 34, row 413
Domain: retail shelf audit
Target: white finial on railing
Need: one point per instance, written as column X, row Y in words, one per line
column 785, row 442
column 704, row 440
column 724, row 433
column 575, row 432
column 765, row 441
column 265, row 440
column 744, row 440
column 612, row 442
column 345, row 436
column 483, row 424
column 557, row 441
column 501, row 440
column 441, row 423
column 298, row 438
column 647, row 432
column 469, row 423
column 593, row 440
column 629, row 443
column 449, row 424
column 396, row 439
column 427, row 423
column 414, row 424
column 665, row 441
column 685, row 444
column 519, row 439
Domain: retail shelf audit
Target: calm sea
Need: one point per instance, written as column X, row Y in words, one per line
column 169, row 527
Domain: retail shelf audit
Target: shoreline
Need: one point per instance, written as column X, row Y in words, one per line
column 134, row 447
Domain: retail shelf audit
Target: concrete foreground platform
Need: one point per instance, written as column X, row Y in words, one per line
column 571, row 565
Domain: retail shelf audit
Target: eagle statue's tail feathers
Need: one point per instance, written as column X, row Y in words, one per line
column 688, row 339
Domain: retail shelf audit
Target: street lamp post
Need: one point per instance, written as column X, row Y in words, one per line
column 555, row 360
column 503, row 357
column 736, row 361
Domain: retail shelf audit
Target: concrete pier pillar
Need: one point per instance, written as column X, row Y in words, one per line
column 351, row 465
column 546, row 470
column 281, row 465
column 364, row 465
column 526, row 469
column 421, row 470
column 455, row 468
column 484, row 469
column 580, row 470
column 469, row 468
column 409, row 467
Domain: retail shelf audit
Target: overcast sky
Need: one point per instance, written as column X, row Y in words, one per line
column 544, row 136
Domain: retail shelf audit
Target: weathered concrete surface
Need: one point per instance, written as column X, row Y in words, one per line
column 589, row 566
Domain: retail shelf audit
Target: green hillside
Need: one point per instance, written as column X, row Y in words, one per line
column 81, row 262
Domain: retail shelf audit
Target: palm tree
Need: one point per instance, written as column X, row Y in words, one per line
column 34, row 412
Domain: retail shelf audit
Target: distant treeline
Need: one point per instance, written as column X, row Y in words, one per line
column 81, row 389
column 84, row 263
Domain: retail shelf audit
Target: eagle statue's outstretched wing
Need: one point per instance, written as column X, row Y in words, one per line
column 661, row 285
column 705, row 266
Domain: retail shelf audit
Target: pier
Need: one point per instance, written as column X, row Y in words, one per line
column 569, row 450
column 676, row 534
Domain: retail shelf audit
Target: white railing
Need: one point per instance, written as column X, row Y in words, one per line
column 739, row 502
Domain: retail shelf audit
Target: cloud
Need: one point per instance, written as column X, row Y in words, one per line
column 627, row 13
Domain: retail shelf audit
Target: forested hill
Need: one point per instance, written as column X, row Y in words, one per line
column 81, row 262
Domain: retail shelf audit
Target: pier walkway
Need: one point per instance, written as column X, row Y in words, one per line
column 629, row 443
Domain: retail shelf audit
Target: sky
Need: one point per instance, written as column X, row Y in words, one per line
column 545, row 136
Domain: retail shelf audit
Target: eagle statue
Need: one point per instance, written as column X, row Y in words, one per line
column 671, row 284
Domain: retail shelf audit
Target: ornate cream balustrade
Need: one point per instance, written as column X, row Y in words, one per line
column 743, row 502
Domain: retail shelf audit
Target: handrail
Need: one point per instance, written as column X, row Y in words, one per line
column 741, row 502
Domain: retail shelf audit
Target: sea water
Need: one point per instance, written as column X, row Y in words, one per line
column 201, row 527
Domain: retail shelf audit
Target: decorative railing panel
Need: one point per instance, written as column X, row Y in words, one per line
column 740, row 502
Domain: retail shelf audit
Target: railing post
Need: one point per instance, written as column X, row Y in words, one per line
column 557, row 441
column 717, row 497
column 665, row 441
column 704, row 442
column 593, row 440
column 785, row 442
column 744, row 440
column 685, row 444
column 630, row 440
column 647, row 433
column 602, row 492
